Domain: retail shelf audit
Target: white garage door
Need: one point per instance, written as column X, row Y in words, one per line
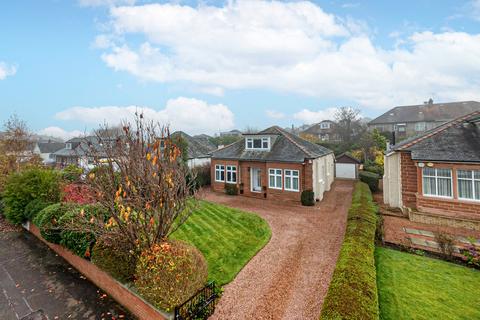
column 345, row 170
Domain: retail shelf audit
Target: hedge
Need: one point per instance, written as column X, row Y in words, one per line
column 353, row 290
column 23, row 187
column 370, row 178
column 307, row 198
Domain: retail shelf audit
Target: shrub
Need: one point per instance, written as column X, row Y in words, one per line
column 472, row 254
column 308, row 198
column 114, row 255
column 77, row 193
column 170, row 273
column 353, row 290
column 72, row 173
column 374, row 168
column 23, row 187
column 231, row 189
column 79, row 242
column 445, row 244
column 202, row 176
column 34, row 207
column 370, row 178
column 47, row 221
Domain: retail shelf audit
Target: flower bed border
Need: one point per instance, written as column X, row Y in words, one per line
column 119, row 292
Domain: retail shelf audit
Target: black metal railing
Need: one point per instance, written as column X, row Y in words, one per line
column 200, row 306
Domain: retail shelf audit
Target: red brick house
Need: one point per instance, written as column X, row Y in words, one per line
column 273, row 164
column 435, row 176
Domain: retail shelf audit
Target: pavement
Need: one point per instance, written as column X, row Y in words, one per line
column 37, row 284
column 289, row 277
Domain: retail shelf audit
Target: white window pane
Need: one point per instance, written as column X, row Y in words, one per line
column 257, row 143
column 279, row 172
column 272, row 182
column 428, row 172
column 464, row 174
column 429, row 186
column 465, row 189
column 295, row 183
column 477, row 174
column 444, row 187
column 234, row 176
column 295, row 173
column 279, row 181
column 477, row 190
column 444, row 172
column 272, row 171
column 288, row 183
column 287, row 172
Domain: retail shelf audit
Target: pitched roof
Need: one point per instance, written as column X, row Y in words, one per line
column 198, row 146
column 285, row 147
column 50, row 147
column 455, row 141
column 435, row 112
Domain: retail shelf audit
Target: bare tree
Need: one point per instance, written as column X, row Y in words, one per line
column 141, row 180
column 347, row 124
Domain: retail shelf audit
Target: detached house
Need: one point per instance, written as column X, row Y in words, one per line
column 324, row 130
column 435, row 176
column 273, row 164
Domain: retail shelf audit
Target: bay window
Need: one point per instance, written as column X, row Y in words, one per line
column 437, row 182
column 231, row 174
column 291, row 178
column 275, row 178
column 468, row 184
column 219, row 173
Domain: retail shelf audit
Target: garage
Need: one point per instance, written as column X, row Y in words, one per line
column 346, row 166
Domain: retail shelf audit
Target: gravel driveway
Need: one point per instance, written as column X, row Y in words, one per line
column 288, row 279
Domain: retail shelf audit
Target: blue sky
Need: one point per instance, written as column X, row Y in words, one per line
column 66, row 66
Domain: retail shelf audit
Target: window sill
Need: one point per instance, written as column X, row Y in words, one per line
column 231, row 182
column 275, row 188
column 291, row 190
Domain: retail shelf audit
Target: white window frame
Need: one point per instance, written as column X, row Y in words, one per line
column 436, row 176
column 68, row 146
column 420, row 126
column 325, row 125
column 249, row 143
column 291, row 176
column 231, row 170
column 275, row 175
column 472, row 180
column 219, row 168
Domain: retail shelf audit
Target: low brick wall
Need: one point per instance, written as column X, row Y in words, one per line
column 136, row 305
column 444, row 221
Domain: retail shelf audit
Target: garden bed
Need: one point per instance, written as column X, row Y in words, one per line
column 134, row 303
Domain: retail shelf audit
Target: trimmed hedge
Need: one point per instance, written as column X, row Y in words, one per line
column 308, row 198
column 23, row 187
column 78, row 242
column 231, row 189
column 47, row 221
column 370, row 178
column 34, row 207
column 353, row 290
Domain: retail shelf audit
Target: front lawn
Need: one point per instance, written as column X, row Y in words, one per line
column 416, row 287
column 227, row 237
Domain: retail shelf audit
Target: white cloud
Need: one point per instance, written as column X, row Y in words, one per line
column 107, row 3
column 307, row 116
column 291, row 47
column 61, row 133
column 275, row 114
column 190, row 115
column 6, row 70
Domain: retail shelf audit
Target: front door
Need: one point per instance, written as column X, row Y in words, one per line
column 256, row 180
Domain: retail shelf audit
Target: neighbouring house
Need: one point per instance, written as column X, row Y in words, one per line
column 273, row 164
column 407, row 121
column 435, row 176
column 234, row 132
column 324, row 130
column 199, row 148
column 46, row 150
column 346, row 166
column 76, row 151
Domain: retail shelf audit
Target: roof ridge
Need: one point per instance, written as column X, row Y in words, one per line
column 286, row 135
column 439, row 129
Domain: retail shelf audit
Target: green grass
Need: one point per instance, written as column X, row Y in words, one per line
column 416, row 287
column 227, row 237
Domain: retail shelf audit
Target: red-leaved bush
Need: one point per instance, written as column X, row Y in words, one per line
column 77, row 193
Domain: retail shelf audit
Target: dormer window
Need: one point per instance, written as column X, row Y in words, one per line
column 68, row 146
column 325, row 125
column 257, row 143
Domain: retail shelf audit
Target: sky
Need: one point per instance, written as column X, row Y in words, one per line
column 211, row 66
